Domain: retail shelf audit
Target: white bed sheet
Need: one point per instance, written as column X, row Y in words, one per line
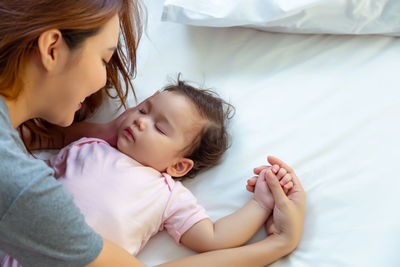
column 327, row 105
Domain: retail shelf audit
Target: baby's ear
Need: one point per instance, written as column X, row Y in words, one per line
column 180, row 168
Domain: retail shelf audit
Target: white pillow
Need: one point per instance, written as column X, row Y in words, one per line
column 295, row 16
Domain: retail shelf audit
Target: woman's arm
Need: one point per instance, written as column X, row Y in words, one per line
column 62, row 136
column 258, row 254
column 113, row 255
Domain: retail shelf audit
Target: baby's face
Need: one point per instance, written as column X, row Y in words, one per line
column 155, row 133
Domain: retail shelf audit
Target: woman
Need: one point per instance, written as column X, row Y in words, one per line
column 57, row 57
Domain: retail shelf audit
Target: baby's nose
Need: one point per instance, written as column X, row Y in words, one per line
column 141, row 123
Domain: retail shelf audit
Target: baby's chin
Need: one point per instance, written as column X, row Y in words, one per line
column 119, row 145
column 123, row 148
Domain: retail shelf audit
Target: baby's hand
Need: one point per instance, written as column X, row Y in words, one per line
column 262, row 194
column 284, row 177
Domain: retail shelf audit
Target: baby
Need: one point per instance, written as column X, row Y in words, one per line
column 128, row 194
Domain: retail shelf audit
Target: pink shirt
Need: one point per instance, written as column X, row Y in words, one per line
column 122, row 200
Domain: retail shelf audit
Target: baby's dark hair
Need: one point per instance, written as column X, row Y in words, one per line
column 212, row 140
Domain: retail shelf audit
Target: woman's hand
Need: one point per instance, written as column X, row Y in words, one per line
column 286, row 222
column 110, row 129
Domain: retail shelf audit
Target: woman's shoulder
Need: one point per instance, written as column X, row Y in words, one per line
column 9, row 137
column 4, row 113
column 18, row 169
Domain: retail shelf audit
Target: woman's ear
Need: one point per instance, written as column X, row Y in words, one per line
column 50, row 45
column 180, row 168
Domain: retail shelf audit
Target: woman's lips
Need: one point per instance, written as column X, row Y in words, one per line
column 129, row 133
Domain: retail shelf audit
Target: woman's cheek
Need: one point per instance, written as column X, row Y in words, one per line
column 99, row 78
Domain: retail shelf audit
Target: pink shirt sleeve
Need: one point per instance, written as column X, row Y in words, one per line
column 58, row 161
column 182, row 212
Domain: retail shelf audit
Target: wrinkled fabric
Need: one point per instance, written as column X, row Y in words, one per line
column 301, row 16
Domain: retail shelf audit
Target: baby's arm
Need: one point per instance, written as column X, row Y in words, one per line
column 235, row 229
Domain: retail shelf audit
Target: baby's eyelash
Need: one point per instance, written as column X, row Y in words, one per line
column 158, row 129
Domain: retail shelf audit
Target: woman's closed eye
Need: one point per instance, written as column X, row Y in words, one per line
column 105, row 63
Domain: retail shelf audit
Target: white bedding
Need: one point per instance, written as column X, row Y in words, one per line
column 299, row 16
column 327, row 105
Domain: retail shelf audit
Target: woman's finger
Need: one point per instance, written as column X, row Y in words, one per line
column 297, row 187
column 297, row 193
column 275, row 187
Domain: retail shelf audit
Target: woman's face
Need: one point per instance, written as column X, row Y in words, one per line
column 82, row 73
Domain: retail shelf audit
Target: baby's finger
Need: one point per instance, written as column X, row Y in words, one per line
column 257, row 170
column 288, row 186
column 297, row 189
column 287, row 178
column 250, row 188
column 273, row 160
column 252, row 181
column 281, row 173
column 275, row 168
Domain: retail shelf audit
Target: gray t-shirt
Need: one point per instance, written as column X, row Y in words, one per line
column 39, row 223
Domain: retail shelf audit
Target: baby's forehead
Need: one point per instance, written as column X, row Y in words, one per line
column 157, row 94
column 177, row 105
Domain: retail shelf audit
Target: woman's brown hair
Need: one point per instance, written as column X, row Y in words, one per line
column 212, row 141
column 22, row 22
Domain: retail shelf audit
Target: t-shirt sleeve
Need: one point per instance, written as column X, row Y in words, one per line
column 58, row 161
column 182, row 212
column 39, row 223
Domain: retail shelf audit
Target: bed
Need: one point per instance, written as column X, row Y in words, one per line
column 328, row 105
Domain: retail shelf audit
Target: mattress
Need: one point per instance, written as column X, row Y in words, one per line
column 327, row 105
